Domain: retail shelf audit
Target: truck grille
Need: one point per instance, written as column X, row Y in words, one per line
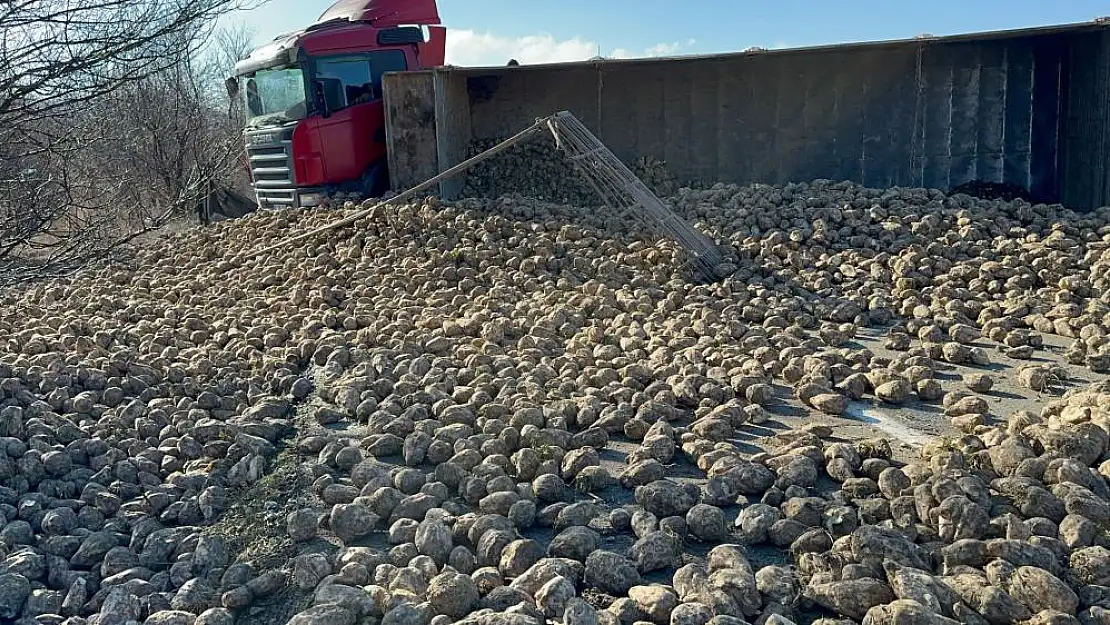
column 271, row 161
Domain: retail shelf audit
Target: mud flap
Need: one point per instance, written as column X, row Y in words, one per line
column 375, row 182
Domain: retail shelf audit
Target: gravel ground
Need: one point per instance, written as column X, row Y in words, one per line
column 891, row 409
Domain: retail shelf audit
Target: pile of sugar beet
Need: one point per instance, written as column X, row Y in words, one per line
column 507, row 413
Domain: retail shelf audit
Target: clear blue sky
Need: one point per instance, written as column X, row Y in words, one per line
column 489, row 31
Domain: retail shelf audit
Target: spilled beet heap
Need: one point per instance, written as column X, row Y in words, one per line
column 510, row 412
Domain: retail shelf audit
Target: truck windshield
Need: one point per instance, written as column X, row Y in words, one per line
column 274, row 96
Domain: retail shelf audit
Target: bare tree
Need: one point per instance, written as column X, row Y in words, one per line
column 176, row 131
column 230, row 45
column 97, row 99
column 54, row 53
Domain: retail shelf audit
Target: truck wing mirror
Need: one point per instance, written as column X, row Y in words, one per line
column 232, row 86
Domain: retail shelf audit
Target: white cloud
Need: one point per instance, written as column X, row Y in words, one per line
column 665, row 49
column 673, row 48
column 471, row 48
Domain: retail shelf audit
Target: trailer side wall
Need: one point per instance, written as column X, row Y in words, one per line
column 1031, row 110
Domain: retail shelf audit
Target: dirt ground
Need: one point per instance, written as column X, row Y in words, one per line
column 918, row 422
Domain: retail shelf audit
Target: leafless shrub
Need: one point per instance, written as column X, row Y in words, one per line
column 110, row 123
column 172, row 132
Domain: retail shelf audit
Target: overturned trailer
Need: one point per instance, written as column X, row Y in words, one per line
column 1029, row 108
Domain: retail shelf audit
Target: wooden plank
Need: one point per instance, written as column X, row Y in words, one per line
column 677, row 123
column 887, row 122
column 964, row 136
column 937, row 138
column 899, row 129
column 850, row 104
column 1045, row 138
column 822, row 80
column 452, row 128
column 621, row 116
column 1018, row 114
column 789, row 120
column 410, row 128
column 992, row 106
column 704, row 130
column 732, row 153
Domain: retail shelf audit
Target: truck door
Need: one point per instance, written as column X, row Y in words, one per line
column 349, row 138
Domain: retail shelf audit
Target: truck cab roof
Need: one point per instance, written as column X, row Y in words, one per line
column 347, row 24
column 383, row 13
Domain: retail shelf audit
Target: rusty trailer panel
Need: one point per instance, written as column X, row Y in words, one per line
column 410, row 129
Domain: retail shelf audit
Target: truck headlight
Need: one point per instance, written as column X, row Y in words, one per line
column 312, row 199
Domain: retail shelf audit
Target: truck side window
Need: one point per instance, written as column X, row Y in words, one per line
column 386, row 61
column 344, row 79
column 354, row 79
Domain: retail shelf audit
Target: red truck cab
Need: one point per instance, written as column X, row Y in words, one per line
column 313, row 99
